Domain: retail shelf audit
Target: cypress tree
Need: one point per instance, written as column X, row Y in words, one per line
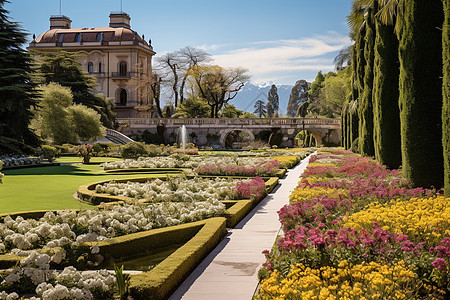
column 273, row 103
column 420, row 98
column 446, row 96
column 344, row 126
column 354, row 121
column 17, row 92
column 365, row 106
column 386, row 112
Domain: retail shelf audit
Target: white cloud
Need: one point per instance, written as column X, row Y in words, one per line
column 284, row 61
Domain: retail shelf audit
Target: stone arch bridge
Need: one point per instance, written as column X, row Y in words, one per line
column 209, row 131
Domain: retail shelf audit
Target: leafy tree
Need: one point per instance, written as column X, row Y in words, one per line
column 299, row 95
column 64, row 68
column 230, row 111
column 86, row 121
column 217, row 85
column 59, row 121
column 260, row 108
column 17, row 92
column 273, row 102
column 420, row 98
column 192, row 107
column 329, row 94
column 316, row 85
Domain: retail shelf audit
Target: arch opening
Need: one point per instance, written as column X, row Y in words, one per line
column 307, row 138
column 237, row 139
column 122, row 97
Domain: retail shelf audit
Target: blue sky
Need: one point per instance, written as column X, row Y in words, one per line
column 280, row 41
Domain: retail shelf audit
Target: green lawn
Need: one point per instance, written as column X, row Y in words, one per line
column 52, row 187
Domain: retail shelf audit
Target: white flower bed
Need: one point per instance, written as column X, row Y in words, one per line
column 68, row 284
column 19, row 160
column 173, row 189
column 70, row 227
column 182, row 162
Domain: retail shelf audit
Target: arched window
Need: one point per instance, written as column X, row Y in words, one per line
column 122, row 97
column 90, row 67
column 123, row 68
column 100, row 67
column 99, row 37
column 77, row 37
column 61, row 36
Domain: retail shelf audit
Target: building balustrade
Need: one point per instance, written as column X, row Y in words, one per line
column 225, row 122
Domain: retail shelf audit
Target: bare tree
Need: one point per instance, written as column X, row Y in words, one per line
column 191, row 57
column 217, row 85
column 173, row 66
column 168, row 66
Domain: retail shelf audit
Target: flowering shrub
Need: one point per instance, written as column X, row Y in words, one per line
column 342, row 211
column 173, row 189
column 422, row 219
column 239, row 167
column 346, row 281
column 70, row 227
column 252, row 189
column 34, row 274
column 236, row 166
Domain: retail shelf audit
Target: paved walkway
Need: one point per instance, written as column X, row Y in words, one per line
column 230, row 270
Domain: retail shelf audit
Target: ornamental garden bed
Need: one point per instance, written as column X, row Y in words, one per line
column 356, row 229
column 231, row 192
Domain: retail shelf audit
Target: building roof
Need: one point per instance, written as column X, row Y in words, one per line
column 89, row 34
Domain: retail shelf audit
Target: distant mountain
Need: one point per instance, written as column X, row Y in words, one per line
column 251, row 92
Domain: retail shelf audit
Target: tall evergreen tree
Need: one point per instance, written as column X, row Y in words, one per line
column 64, row 68
column 260, row 108
column 17, row 92
column 420, row 53
column 366, row 146
column 273, row 103
column 446, row 96
column 385, row 97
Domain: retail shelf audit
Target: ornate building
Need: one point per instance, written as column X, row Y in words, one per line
column 117, row 56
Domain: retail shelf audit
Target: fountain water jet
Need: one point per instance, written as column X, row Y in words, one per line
column 182, row 137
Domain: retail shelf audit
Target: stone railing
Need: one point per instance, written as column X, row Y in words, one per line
column 229, row 122
column 121, row 138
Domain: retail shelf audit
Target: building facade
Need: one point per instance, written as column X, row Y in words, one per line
column 116, row 56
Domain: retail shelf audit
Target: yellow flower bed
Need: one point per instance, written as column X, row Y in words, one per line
column 321, row 164
column 362, row 281
column 287, row 161
column 305, row 194
column 425, row 218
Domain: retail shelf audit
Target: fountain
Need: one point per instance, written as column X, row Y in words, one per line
column 182, row 137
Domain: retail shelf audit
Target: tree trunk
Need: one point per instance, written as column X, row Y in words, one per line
column 386, row 113
column 366, row 107
column 420, row 52
column 446, row 96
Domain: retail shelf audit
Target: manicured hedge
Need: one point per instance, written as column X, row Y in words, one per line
column 9, row 261
column 237, row 212
column 159, row 282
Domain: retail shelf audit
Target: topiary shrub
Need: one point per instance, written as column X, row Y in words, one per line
column 49, row 152
column 133, row 150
